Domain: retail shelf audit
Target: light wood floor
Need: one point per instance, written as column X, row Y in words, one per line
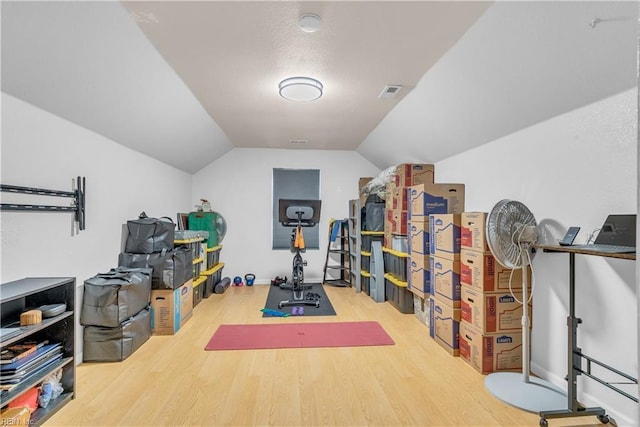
column 172, row 381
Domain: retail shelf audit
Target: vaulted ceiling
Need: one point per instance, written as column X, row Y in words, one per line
column 185, row 82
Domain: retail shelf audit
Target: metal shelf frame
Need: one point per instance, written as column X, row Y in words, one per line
column 355, row 243
column 341, row 266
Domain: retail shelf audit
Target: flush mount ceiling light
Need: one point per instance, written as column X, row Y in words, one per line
column 309, row 22
column 300, row 89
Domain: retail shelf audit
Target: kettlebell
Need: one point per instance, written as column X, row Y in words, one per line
column 249, row 278
column 237, row 281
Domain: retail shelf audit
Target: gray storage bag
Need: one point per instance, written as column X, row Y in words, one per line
column 149, row 235
column 171, row 269
column 115, row 344
column 111, row 298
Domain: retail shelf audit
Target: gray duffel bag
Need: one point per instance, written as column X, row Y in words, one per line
column 116, row 344
column 147, row 235
column 171, row 269
column 111, row 298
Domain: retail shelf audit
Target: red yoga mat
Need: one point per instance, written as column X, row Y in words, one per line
column 298, row 335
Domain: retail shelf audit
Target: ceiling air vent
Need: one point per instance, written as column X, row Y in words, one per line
column 298, row 141
column 390, row 91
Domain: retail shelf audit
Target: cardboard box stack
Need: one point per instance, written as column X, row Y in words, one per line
column 396, row 232
column 490, row 329
column 443, row 316
column 444, row 261
column 396, row 197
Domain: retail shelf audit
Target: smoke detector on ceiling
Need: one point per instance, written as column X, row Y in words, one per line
column 298, row 141
column 309, row 22
column 390, row 91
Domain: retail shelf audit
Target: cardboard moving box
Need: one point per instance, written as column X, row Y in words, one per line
column 492, row 312
column 407, row 174
column 445, row 280
column 444, row 234
column 426, row 199
column 171, row 308
column 490, row 352
column 396, row 197
column 418, row 236
column 473, row 231
column 444, row 325
column 481, row 271
column 395, row 221
column 419, row 278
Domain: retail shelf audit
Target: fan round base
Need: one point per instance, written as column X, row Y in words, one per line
column 534, row 396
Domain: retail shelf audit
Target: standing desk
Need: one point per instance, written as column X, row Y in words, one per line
column 575, row 355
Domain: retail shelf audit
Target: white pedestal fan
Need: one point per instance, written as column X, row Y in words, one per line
column 511, row 232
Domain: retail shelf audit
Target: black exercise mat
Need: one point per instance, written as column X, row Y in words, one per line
column 276, row 294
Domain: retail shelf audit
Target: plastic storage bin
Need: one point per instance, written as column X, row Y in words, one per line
column 197, row 268
column 198, row 289
column 398, row 295
column 365, row 278
column 395, row 263
column 213, row 276
column 193, row 245
column 370, row 236
column 213, row 255
column 365, row 260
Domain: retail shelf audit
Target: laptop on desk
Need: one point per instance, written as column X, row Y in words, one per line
column 617, row 235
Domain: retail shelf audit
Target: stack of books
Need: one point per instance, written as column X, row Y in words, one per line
column 20, row 362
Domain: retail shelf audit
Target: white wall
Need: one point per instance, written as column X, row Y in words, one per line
column 239, row 186
column 571, row 170
column 42, row 150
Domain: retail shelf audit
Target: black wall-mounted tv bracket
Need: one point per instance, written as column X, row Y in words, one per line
column 78, row 206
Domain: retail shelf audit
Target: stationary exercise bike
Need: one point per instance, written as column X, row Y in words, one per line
column 298, row 214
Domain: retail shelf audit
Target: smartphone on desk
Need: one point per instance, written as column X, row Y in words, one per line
column 568, row 238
